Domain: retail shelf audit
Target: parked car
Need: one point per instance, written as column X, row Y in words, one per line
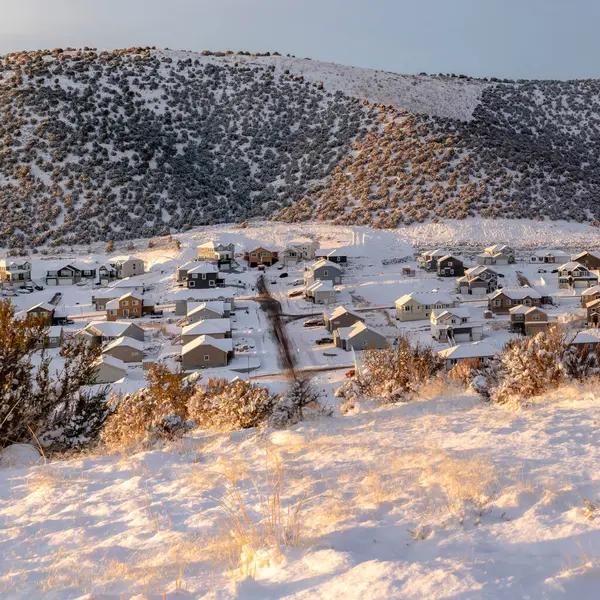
column 554, row 271
column 25, row 291
column 298, row 282
column 350, row 373
column 69, row 322
column 542, row 271
column 500, row 274
column 313, row 323
column 323, row 341
column 39, row 288
column 283, row 275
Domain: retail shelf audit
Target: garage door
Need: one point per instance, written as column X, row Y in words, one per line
column 65, row 281
column 51, row 282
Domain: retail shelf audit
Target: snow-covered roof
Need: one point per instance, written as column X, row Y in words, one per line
column 323, row 263
column 14, row 261
column 217, row 306
column 569, row 266
column 584, row 253
column 55, row 331
column 478, row 270
column 109, row 328
column 323, row 286
column 204, row 267
column 468, row 350
column 445, row 256
column 207, row 327
column 542, row 253
column 516, row 293
column 125, row 341
column 497, row 248
column 188, row 265
column 207, row 294
column 461, row 313
column 595, row 289
column 339, row 311
column 585, row 337
column 346, row 333
column 523, row 310
column 433, row 253
column 42, row 305
column 225, row 345
column 113, row 362
column 122, row 259
column 126, row 282
column 426, row 298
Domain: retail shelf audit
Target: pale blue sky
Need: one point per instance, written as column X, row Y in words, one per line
column 503, row 38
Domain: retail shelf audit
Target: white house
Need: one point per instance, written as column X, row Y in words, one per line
column 554, row 257
column 470, row 351
column 299, row 250
column 455, row 325
column 418, row 306
column 498, row 254
column 320, row 292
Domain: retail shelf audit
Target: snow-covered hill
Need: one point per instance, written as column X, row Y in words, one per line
column 140, row 142
column 443, row 498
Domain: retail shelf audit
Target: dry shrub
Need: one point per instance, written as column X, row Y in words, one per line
column 462, row 372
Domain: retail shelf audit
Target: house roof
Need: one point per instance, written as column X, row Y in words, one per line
column 125, row 341
column 55, row 331
column 216, row 306
column 585, row 337
column 205, row 294
column 572, row 265
column 524, row 310
column 550, row 253
column 14, row 261
column 44, row 306
column 595, row 289
column 188, row 265
column 586, row 253
column 478, row 270
column 110, row 328
column 436, row 252
column 204, row 267
column 426, row 298
column 497, row 248
column 341, row 310
column 462, row 313
column 126, row 282
column 322, row 286
column 449, row 256
column 207, row 327
column 122, row 259
column 225, row 345
column 323, row 263
column 113, row 362
column 468, row 350
column 516, row 293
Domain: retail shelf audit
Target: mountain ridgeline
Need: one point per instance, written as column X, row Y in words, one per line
column 139, row 142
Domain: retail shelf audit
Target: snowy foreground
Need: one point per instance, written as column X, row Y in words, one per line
column 443, row 498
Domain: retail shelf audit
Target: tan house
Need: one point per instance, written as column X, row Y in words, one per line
column 359, row 337
column 110, row 370
column 216, row 251
column 589, row 295
column 128, row 306
column 528, row 320
column 590, row 260
column 574, row 275
column 501, row 301
column 126, row 349
column 593, row 313
column 261, row 256
column 340, row 317
column 205, row 351
column 15, row 271
column 418, row 306
column 99, row 332
column 43, row 312
column 208, row 310
column 216, row 328
column 127, row 266
column 498, row 254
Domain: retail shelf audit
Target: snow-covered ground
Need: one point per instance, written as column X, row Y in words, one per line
column 444, row 498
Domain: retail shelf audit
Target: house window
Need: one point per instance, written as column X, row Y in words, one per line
column 203, row 275
column 253, row 255
column 497, row 302
column 86, row 272
column 325, row 273
column 535, row 317
column 134, row 303
column 125, row 303
column 211, row 283
column 113, row 312
column 206, row 358
column 406, row 308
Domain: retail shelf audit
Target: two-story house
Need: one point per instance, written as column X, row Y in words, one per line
column 498, row 254
column 590, row 295
column 107, row 273
column 219, row 252
column 15, row 271
column 450, row 266
column 469, row 351
column 203, row 276
column 478, row 281
column 334, row 255
column 428, row 260
column 298, row 250
column 261, row 256
column 340, row 317
column 323, row 270
column 590, row 260
column 454, row 325
column 128, row 306
column 70, row 273
column 359, row 337
column 574, row 275
column 418, row 306
column 528, row 320
column 501, row 301
column 127, row 266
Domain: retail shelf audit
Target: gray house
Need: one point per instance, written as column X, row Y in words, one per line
column 105, row 331
column 323, row 270
column 208, row 310
column 186, row 298
column 126, row 349
column 341, row 317
column 478, row 281
column 203, row 276
column 110, row 370
column 359, row 337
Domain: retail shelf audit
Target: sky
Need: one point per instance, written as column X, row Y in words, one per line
column 535, row 39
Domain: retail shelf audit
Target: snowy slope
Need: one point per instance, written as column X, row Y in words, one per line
column 444, row 498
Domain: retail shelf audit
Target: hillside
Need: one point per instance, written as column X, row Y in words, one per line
column 139, row 142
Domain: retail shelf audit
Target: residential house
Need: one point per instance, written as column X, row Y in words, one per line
column 450, row 266
column 208, row 310
column 127, row 266
column 323, row 270
column 261, row 256
column 182, row 270
column 428, row 260
column 216, row 328
column 70, row 273
column 107, row 273
column 15, row 271
column 205, row 351
column 478, row 281
column 55, row 336
column 498, row 254
column 126, row 349
column 99, row 332
column 102, row 297
column 340, row 317
column 549, row 257
column 473, row 351
column 43, row 312
column 528, row 320
column 109, row 370
column 501, row 301
column 222, row 254
column 320, row 292
column 418, row 306
column 454, row 325
column 590, row 260
column 334, row 255
column 574, row 275
column 128, row 306
column 593, row 313
column 586, row 339
column 127, row 284
column 590, row 295
column 299, row 250
column 359, row 337
column 203, row 276
column 186, row 298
